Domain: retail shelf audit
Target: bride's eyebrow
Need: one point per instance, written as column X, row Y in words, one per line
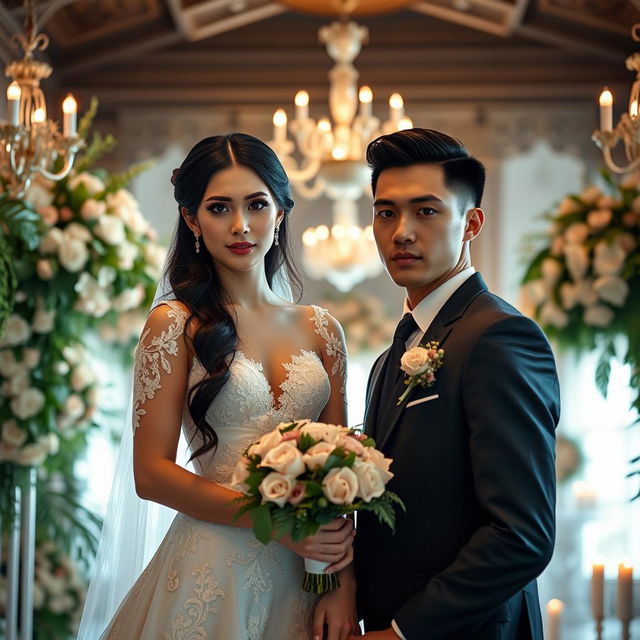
column 227, row 199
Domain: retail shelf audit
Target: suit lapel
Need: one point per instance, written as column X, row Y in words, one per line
column 438, row 331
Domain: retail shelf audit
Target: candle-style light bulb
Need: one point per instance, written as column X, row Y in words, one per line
column 633, row 108
column 606, row 110
column 302, row 105
column 324, row 125
column 280, row 125
column 38, row 115
column 405, row 123
column 365, row 95
column 13, row 103
column 70, row 111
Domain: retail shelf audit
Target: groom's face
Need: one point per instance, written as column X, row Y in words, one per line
column 419, row 225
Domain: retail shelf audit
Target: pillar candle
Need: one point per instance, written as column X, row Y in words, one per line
column 597, row 591
column 624, row 591
column 554, row 611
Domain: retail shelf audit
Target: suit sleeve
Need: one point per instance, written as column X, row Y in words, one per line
column 511, row 405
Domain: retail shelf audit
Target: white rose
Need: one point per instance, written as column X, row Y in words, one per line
column 12, row 434
column 315, row 456
column 82, row 376
column 598, row 219
column 77, row 231
column 608, row 258
column 38, row 596
column 321, row 431
column 577, row 259
column 415, row 361
column 129, row 299
column 73, row 254
column 266, row 443
column 340, row 486
column 598, row 315
column 8, row 363
column 568, row 205
column 16, row 331
column 586, row 294
column 576, row 233
column 137, row 222
column 377, row 457
column 155, row 256
column 591, row 195
column 32, row 455
column 611, row 289
column 121, row 203
column 31, row 357
column 93, row 209
column 73, row 406
column 284, row 458
column 349, row 443
column 43, row 320
column 370, row 484
column 110, row 229
column 535, row 290
column 51, row 241
column 44, row 269
column 39, row 193
column 106, row 276
column 276, row 488
column 28, row 403
column 92, row 299
column 73, row 354
column 551, row 271
column 92, row 183
column 240, row 474
column 553, row 315
column 127, row 253
column 17, row 383
column 61, row 368
column 50, row 443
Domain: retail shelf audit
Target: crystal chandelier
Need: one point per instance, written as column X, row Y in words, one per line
column 29, row 142
column 332, row 161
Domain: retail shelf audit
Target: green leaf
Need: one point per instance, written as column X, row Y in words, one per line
column 262, row 523
column 369, row 442
column 603, row 368
column 306, row 442
column 19, row 221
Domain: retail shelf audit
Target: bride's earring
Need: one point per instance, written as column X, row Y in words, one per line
column 276, row 237
column 197, row 242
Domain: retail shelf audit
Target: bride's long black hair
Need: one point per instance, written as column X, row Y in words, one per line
column 193, row 276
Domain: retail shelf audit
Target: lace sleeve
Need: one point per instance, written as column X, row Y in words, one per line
column 334, row 345
column 153, row 356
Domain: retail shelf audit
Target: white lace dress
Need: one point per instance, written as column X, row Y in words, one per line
column 210, row 581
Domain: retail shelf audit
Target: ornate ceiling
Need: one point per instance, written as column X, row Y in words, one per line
column 261, row 51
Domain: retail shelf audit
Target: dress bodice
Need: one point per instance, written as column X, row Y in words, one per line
column 246, row 407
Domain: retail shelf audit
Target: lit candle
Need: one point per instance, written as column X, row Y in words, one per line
column 13, row 103
column 396, row 108
column 597, row 591
column 633, row 108
column 302, row 106
column 365, row 95
column 624, row 592
column 554, row 611
column 70, row 111
column 405, row 123
column 280, row 125
column 606, row 110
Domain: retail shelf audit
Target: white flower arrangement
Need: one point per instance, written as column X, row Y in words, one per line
column 583, row 286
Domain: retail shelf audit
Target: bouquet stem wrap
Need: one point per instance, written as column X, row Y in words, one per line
column 316, row 580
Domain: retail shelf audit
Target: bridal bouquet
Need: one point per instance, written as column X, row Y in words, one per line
column 304, row 474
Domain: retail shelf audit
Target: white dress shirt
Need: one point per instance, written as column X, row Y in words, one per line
column 424, row 313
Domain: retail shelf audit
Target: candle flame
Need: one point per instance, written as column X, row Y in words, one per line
column 280, row 118
column 606, row 98
column 69, row 104
column 14, row 91
column 365, row 95
column 301, row 99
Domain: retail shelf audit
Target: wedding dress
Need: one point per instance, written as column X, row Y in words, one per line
column 211, row 581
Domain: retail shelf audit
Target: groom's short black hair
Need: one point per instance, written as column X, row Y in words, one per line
column 462, row 171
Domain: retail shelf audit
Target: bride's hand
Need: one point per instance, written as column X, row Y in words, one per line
column 333, row 544
column 337, row 611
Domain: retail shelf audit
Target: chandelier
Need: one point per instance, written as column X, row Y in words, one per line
column 31, row 144
column 332, row 162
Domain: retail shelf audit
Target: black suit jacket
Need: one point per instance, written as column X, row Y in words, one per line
column 475, row 465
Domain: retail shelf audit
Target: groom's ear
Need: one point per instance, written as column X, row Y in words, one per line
column 474, row 223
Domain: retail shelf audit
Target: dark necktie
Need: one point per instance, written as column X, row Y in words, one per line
column 392, row 372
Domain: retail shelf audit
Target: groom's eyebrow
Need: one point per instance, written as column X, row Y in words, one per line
column 425, row 198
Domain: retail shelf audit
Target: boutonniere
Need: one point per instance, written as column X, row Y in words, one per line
column 420, row 365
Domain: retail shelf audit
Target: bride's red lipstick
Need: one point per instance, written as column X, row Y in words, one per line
column 241, row 248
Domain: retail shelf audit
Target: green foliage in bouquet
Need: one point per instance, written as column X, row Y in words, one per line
column 76, row 257
column 583, row 285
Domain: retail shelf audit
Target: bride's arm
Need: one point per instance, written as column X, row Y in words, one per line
column 160, row 388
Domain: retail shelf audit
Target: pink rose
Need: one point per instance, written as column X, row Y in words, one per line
column 276, row 488
column 284, row 458
column 340, row 486
column 298, row 494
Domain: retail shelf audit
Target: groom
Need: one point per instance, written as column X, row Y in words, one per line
column 474, row 452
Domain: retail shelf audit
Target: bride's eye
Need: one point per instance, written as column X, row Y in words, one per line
column 218, row 207
column 258, row 205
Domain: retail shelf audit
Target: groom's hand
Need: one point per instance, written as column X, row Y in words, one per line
column 333, row 544
column 387, row 634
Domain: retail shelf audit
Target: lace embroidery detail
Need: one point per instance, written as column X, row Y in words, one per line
column 303, row 607
column 150, row 358
column 333, row 344
column 197, row 608
column 188, row 543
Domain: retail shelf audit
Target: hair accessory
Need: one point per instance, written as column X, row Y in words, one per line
column 276, row 236
column 197, row 242
column 174, row 176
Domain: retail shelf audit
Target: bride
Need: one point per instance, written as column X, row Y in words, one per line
column 225, row 359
